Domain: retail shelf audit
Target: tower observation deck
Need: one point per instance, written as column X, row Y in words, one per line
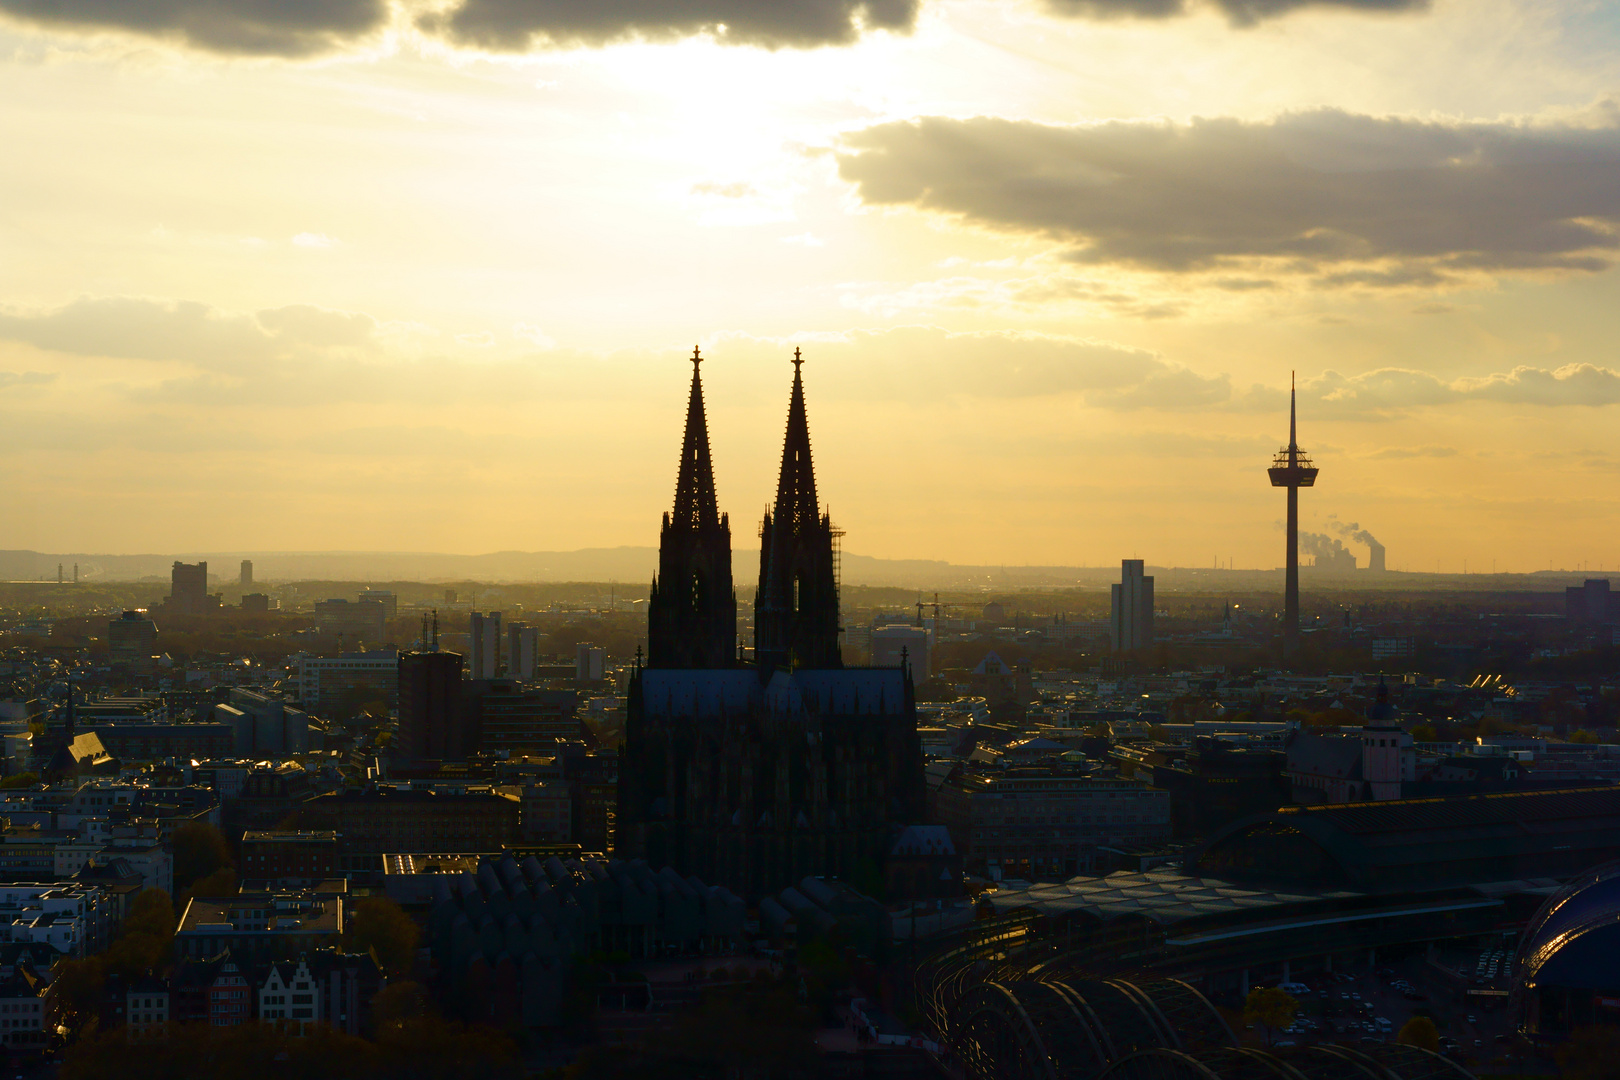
column 1292, row 469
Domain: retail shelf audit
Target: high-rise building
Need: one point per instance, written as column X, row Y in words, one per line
column 796, row 605
column 590, row 662
column 692, row 609
column 891, row 644
column 522, row 651
column 506, row 718
column 430, row 724
column 131, row 640
column 247, row 573
column 485, row 650
column 188, row 589
column 1131, row 610
column 360, row 622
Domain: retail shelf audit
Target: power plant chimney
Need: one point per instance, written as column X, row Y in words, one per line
column 1292, row 469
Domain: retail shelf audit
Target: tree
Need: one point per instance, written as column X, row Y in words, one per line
column 379, row 923
column 1592, row 1053
column 1424, row 733
column 19, row 780
column 1271, row 1008
column 199, row 850
column 1421, row 1033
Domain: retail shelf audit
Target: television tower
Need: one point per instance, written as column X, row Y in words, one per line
column 1292, row 469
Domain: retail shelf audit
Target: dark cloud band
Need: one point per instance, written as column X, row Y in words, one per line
column 516, row 25
column 243, row 27
column 1240, row 12
column 295, row 28
column 1377, row 201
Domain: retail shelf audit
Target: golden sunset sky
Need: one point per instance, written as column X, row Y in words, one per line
column 348, row 274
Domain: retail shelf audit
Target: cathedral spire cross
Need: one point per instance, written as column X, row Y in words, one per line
column 797, row 362
column 697, row 358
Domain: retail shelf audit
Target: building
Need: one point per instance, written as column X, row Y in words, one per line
column 289, row 997
column 132, row 641
column 263, row 725
column 522, row 651
column 485, row 651
column 1131, row 608
column 381, row 819
column 287, row 855
column 1046, row 820
column 257, row 926
column 755, row 776
column 590, row 663
column 257, row 603
column 385, row 597
column 188, row 590
column 1566, row 968
column 323, row 681
column 1376, row 556
column 430, row 720
column 1420, row 843
column 1373, row 764
column 593, row 791
column 506, row 718
column 26, row 1023
column 146, row 1008
column 362, row 622
column 891, row 644
column 1590, row 603
column 246, row 579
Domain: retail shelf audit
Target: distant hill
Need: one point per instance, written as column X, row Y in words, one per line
column 638, row 564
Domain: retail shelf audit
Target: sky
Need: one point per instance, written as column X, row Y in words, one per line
column 423, row 276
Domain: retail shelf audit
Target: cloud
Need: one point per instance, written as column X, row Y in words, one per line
column 291, row 28
column 313, row 240
column 1356, row 200
column 1402, row 453
column 8, row 379
column 1394, row 390
column 1239, row 12
column 518, row 25
column 184, row 331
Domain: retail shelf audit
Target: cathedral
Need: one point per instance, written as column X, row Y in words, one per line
column 755, row 772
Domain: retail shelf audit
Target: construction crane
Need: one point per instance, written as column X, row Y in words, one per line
column 936, row 605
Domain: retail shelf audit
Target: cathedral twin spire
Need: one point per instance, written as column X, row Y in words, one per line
column 692, row 610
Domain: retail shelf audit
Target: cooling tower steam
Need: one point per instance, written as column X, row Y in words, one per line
column 1351, row 530
column 1329, row 552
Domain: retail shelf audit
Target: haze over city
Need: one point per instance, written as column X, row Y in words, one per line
column 421, row 277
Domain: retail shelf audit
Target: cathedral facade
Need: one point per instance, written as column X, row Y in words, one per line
column 755, row 773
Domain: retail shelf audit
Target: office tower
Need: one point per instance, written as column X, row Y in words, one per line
column 188, row 588
column 1131, row 610
column 486, row 645
column 892, row 644
column 692, row 610
column 247, row 573
column 131, row 640
column 1292, row 469
column 522, row 651
column 430, row 705
column 796, row 605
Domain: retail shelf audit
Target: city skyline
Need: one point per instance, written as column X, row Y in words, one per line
column 391, row 283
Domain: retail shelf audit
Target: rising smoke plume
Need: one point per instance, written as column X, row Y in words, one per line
column 1329, row 552
column 1350, row 530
